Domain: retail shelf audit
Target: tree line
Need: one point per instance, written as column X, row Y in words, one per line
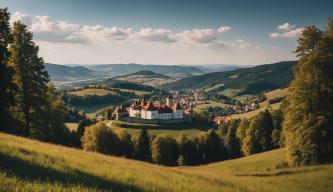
column 29, row 103
column 230, row 140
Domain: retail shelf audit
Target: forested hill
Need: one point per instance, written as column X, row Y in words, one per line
column 247, row 80
column 63, row 72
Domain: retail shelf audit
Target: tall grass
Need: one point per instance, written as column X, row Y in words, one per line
column 27, row 165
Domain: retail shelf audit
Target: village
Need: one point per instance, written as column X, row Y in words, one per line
column 175, row 108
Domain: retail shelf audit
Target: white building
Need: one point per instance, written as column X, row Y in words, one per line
column 149, row 110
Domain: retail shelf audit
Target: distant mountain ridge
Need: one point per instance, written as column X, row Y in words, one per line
column 65, row 73
column 246, row 80
column 123, row 69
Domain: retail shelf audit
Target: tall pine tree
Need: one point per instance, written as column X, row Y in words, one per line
column 308, row 125
column 6, row 72
column 30, row 78
column 142, row 147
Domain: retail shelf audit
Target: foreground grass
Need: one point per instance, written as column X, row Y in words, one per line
column 27, row 165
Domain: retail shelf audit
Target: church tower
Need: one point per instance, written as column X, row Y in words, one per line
column 169, row 101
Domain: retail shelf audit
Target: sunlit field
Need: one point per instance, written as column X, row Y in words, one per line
column 27, row 165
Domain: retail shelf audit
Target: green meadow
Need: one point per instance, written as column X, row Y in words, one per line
column 28, row 165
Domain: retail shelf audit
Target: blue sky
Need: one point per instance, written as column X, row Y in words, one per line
column 168, row 32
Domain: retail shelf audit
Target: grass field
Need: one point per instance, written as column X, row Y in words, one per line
column 175, row 130
column 92, row 91
column 145, row 80
column 91, row 110
column 27, row 165
column 136, row 92
column 72, row 126
column 230, row 92
column 211, row 104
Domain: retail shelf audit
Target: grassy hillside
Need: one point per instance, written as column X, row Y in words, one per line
column 145, row 77
column 27, row 165
column 175, row 130
column 63, row 72
column 242, row 81
column 92, row 91
column 265, row 104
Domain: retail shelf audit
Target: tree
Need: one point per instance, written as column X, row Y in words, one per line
column 186, row 150
column 164, row 150
column 56, row 131
column 142, row 146
column 230, row 140
column 258, row 135
column 241, row 130
column 30, row 77
column 308, row 125
column 214, row 149
column 101, row 139
column 6, row 72
column 80, row 130
column 277, row 137
column 126, row 145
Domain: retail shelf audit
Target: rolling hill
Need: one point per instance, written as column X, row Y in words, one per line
column 28, row 165
column 67, row 73
column 145, row 77
column 113, row 70
column 80, row 75
column 246, row 81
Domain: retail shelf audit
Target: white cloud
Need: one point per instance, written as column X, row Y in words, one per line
column 291, row 32
column 61, row 31
column 240, row 43
column 274, row 35
column 156, row 35
column 286, row 26
column 200, row 35
column 223, row 29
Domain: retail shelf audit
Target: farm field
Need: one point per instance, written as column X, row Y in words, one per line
column 210, row 104
column 175, row 130
column 136, row 92
column 91, row 110
column 92, row 91
column 28, row 165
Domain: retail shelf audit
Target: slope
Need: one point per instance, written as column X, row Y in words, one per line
column 64, row 73
column 27, row 165
column 144, row 77
column 247, row 80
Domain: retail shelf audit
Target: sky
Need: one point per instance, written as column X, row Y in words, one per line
column 243, row 32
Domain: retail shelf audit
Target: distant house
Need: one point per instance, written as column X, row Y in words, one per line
column 220, row 119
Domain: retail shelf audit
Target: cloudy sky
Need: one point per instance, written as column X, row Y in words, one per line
column 168, row 32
